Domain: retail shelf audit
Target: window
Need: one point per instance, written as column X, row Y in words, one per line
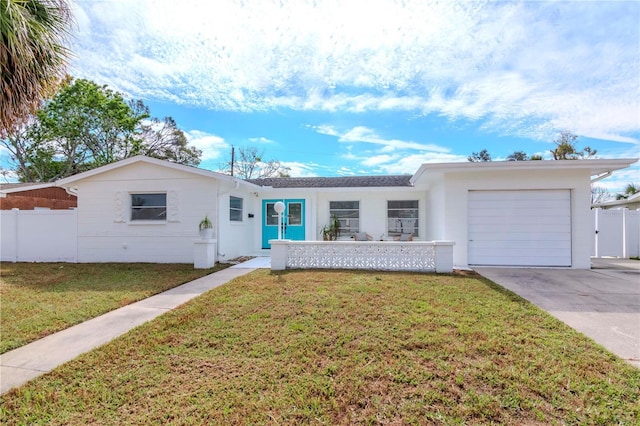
column 235, row 209
column 402, row 217
column 348, row 214
column 294, row 214
column 149, row 206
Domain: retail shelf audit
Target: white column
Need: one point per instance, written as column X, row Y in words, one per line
column 279, row 254
column 204, row 254
column 625, row 251
column 444, row 256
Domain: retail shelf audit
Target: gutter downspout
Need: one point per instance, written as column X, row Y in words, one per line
column 602, row 176
column 69, row 190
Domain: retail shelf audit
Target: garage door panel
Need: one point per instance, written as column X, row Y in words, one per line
column 519, row 228
column 508, row 206
column 522, row 252
column 525, row 195
column 527, row 260
column 515, row 213
column 514, row 245
column 520, row 220
column 502, row 235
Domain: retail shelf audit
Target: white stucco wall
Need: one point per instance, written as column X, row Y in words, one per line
column 106, row 233
column 436, row 216
column 373, row 208
column 453, row 218
column 238, row 238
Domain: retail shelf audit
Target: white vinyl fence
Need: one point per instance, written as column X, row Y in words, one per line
column 616, row 233
column 39, row 235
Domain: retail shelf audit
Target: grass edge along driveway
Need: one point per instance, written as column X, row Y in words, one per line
column 323, row 347
column 39, row 299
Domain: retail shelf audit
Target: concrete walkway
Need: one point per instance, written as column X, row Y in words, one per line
column 30, row 361
column 603, row 303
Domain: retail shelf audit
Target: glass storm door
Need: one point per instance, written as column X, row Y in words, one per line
column 292, row 221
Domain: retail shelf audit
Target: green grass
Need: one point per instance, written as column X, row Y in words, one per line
column 38, row 299
column 340, row 348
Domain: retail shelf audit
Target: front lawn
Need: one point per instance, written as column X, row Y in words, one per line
column 333, row 348
column 41, row 298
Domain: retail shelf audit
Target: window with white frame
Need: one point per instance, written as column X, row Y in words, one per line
column 402, row 217
column 149, row 206
column 235, row 209
column 348, row 215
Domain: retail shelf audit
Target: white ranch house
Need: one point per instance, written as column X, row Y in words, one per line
column 533, row 213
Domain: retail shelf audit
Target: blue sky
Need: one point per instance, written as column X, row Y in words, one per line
column 343, row 87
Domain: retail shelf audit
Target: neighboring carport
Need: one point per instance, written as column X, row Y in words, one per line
column 603, row 303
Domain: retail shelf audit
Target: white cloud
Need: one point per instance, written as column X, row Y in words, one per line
column 213, row 147
column 620, row 179
column 528, row 68
column 261, row 140
column 367, row 135
column 411, row 163
column 298, row 169
column 390, row 156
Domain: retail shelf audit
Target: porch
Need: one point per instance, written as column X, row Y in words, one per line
column 416, row 256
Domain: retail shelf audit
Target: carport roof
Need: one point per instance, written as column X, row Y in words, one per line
column 596, row 167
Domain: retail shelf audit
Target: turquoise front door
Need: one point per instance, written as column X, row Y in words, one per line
column 292, row 220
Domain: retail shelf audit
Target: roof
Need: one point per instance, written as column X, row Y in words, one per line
column 631, row 199
column 596, row 167
column 335, row 182
column 7, row 188
column 149, row 160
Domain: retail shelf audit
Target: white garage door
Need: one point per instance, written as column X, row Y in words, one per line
column 520, row 228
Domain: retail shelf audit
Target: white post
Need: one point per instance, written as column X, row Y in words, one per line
column 596, row 240
column 444, row 256
column 625, row 252
column 204, row 254
column 15, row 233
column 279, row 208
column 278, row 254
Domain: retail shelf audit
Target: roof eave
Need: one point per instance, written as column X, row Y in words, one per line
column 65, row 182
column 28, row 187
column 595, row 166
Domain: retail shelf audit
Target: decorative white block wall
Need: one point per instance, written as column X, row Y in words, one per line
column 419, row 256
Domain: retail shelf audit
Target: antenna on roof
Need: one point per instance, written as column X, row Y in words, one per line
column 233, row 157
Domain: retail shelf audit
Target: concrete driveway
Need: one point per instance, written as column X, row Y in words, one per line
column 602, row 303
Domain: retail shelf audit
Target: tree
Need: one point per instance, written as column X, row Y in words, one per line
column 248, row 164
column 518, row 156
column 479, row 157
column 630, row 189
column 163, row 140
column 33, row 56
column 566, row 148
column 599, row 194
column 86, row 126
column 34, row 160
column 89, row 124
